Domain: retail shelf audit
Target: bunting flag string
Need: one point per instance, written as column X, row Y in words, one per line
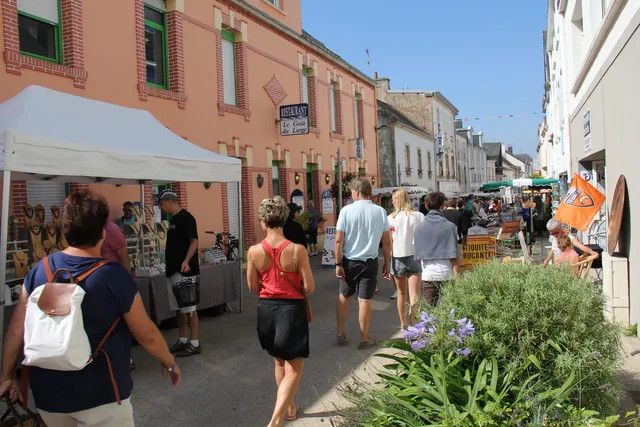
column 505, row 116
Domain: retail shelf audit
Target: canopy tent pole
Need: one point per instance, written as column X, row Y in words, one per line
column 6, row 193
column 144, row 217
column 241, row 246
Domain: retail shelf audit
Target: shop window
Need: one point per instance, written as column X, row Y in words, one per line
column 276, row 178
column 39, row 29
column 156, row 46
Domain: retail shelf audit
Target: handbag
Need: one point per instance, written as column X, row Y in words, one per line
column 28, row 419
column 307, row 305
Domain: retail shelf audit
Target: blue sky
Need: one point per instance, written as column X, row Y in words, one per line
column 485, row 56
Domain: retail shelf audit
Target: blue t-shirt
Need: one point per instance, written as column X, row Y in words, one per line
column 109, row 293
column 363, row 223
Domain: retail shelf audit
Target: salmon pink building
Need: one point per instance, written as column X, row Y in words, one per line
column 214, row 73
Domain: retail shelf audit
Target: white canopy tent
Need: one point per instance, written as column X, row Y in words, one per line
column 50, row 135
column 419, row 191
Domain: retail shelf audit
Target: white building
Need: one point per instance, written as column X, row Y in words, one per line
column 407, row 154
column 592, row 58
column 473, row 159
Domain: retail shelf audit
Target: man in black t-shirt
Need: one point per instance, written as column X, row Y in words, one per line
column 181, row 259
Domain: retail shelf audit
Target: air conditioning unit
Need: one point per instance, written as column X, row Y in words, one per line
column 615, row 287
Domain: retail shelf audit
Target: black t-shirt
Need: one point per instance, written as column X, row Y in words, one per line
column 109, row 293
column 182, row 229
column 454, row 216
column 294, row 232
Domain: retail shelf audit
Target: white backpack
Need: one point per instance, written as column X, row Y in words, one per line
column 54, row 335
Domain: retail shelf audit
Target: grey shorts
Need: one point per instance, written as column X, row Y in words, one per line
column 405, row 266
column 361, row 278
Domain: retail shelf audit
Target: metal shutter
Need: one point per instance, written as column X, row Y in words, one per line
column 234, row 213
column 46, row 193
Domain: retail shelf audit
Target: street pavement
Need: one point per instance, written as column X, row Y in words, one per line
column 231, row 383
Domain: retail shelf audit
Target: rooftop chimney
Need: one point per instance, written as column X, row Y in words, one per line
column 383, row 85
column 510, row 150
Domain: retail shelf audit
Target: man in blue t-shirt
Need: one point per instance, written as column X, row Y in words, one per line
column 360, row 227
column 87, row 396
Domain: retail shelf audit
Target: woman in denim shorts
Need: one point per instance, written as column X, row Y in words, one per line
column 404, row 268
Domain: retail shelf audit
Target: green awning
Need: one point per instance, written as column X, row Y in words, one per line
column 522, row 182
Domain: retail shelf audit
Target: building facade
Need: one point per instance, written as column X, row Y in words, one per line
column 601, row 45
column 406, row 153
column 435, row 114
column 214, row 72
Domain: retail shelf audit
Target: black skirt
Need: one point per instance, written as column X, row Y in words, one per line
column 283, row 329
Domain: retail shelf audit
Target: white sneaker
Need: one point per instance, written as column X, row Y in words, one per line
column 395, row 295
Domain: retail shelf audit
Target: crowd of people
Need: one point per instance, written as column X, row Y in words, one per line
column 421, row 250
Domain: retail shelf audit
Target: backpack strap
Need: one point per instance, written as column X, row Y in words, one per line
column 47, row 269
column 99, row 351
column 91, row 270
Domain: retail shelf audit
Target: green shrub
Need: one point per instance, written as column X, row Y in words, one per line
column 525, row 310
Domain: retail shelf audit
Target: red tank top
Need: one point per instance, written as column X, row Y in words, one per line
column 273, row 285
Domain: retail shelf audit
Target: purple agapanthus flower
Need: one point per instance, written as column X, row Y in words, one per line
column 451, row 333
column 463, row 352
column 428, row 319
column 412, row 333
column 417, row 345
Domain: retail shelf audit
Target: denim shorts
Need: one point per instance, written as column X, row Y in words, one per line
column 405, row 266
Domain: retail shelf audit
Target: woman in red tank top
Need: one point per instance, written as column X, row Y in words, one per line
column 279, row 272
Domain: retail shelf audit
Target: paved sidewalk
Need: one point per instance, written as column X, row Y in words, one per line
column 231, row 383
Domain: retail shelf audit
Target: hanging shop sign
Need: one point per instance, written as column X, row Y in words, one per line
column 294, row 119
column 359, row 148
column 327, row 202
column 478, row 250
column 328, row 252
column 587, row 131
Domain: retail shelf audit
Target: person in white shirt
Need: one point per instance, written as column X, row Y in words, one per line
column 404, row 268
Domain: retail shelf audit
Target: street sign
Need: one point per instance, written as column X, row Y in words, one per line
column 478, row 250
column 294, row 119
column 359, row 148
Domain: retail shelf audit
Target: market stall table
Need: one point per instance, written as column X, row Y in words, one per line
column 218, row 285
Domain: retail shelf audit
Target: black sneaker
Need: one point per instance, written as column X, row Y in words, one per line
column 178, row 346
column 189, row 350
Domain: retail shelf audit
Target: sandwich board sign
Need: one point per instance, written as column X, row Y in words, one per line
column 294, row 119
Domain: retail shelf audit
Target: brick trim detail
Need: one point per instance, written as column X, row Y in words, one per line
column 242, row 77
column 180, row 188
column 18, row 197
column 72, row 44
column 248, row 211
column 175, row 48
column 225, row 206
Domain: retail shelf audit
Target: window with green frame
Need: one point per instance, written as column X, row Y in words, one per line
column 39, row 29
column 156, row 46
column 276, row 177
column 229, row 68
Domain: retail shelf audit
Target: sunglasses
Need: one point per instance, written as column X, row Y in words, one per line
column 556, row 233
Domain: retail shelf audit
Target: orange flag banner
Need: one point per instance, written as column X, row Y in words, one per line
column 581, row 204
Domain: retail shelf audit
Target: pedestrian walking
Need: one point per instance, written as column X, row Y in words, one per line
column 423, row 205
column 466, row 221
column 312, row 230
column 280, row 273
column 405, row 269
column 292, row 229
column 360, row 227
column 454, row 216
column 436, row 247
column 182, row 267
column 98, row 393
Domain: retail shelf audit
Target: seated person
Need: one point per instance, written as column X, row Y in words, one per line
column 567, row 254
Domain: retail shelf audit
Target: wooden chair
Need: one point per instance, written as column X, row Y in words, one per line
column 584, row 267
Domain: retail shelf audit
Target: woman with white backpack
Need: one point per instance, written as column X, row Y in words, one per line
column 74, row 321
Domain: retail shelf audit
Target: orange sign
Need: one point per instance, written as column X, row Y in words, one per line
column 478, row 250
column 509, row 227
column 581, row 204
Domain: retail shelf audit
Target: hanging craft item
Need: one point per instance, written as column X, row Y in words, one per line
column 29, row 216
column 62, row 242
column 138, row 215
column 52, row 234
column 150, row 224
column 40, row 214
column 21, row 264
column 46, row 247
column 55, row 214
column 161, row 231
